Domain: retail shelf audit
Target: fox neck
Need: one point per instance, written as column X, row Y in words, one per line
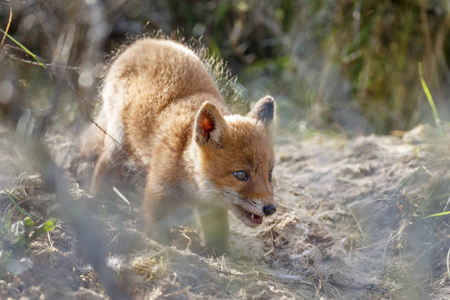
column 202, row 188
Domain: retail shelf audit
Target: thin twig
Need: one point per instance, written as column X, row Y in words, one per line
column 24, row 49
column 448, row 267
column 9, row 23
column 188, row 238
column 428, row 171
column 169, row 295
column 446, row 205
column 49, row 65
column 97, row 125
column 123, row 198
column 359, row 227
column 273, row 241
column 28, row 62
column 90, row 118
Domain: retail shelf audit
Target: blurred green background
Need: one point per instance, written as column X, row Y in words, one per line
column 344, row 65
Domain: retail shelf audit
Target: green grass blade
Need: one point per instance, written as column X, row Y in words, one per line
column 24, row 48
column 8, row 194
column 8, row 219
column 438, row 214
column 430, row 100
column 120, row 269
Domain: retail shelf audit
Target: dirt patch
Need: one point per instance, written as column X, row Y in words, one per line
column 336, row 234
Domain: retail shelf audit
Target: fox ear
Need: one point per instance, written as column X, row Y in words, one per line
column 210, row 126
column 264, row 111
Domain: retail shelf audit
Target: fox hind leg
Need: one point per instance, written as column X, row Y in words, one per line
column 111, row 156
column 156, row 213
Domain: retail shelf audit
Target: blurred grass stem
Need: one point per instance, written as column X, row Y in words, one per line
column 24, row 48
column 430, row 100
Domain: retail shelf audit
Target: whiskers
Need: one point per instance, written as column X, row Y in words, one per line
column 235, row 198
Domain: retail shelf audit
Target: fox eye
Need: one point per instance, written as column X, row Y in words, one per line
column 270, row 176
column 241, row 175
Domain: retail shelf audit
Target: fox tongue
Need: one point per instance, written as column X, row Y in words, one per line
column 256, row 219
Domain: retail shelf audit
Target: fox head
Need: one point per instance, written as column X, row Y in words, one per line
column 236, row 159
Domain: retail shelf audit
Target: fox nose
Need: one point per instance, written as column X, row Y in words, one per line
column 269, row 209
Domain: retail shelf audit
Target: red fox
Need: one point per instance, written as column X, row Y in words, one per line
column 161, row 106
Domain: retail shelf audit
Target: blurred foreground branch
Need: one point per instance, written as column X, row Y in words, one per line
column 31, row 124
column 90, row 239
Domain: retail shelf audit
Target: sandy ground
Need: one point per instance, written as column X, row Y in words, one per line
column 336, row 233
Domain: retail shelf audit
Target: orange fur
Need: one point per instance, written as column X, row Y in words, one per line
column 162, row 106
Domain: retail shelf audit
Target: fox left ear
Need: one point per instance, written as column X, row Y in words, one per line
column 210, row 125
column 264, row 111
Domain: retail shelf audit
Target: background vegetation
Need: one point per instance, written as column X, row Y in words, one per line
column 349, row 64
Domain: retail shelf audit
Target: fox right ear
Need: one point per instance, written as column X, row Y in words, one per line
column 264, row 111
column 209, row 125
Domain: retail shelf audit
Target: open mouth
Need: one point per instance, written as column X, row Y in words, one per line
column 246, row 216
column 254, row 218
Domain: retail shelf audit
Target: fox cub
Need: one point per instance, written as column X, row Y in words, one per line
column 161, row 106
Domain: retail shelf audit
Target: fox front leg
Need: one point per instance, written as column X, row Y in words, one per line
column 215, row 228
